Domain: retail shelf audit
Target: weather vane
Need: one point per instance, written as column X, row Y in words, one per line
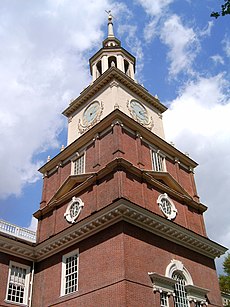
column 110, row 16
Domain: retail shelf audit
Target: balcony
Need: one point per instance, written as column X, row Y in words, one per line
column 17, row 232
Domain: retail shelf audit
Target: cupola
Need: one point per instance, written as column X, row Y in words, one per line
column 112, row 55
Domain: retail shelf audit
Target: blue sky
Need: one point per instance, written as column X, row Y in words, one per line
column 183, row 56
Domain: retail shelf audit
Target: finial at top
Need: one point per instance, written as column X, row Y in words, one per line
column 110, row 24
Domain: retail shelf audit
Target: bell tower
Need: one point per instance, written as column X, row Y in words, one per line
column 120, row 222
column 112, row 55
column 113, row 87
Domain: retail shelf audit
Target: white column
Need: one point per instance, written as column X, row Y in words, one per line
column 104, row 63
column 131, row 71
column 94, row 72
column 120, row 63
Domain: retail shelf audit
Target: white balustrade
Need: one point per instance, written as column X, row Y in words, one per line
column 18, row 232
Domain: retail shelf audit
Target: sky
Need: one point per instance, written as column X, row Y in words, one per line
column 183, row 57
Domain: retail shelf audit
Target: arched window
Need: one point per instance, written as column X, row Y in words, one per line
column 181, row 275
column 126, row 65
column 177, row 282
column 181, row 299
column 99, row 69
column 112, row 61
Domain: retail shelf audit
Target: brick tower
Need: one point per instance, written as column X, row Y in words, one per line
column 120, row 222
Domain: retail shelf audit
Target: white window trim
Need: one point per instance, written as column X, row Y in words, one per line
column 167, row 300
column 158, row 152
column 173, row 213
column 27, row 283
column 78, row 156
column 177, row 266
column 63, row 271
column 166, row 283
column 67, row 214
column 194, row 293
column 162, row 283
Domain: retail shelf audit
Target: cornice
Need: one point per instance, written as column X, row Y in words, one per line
column 67, row 189
column 162, row 283
column 120, row 210
column 68, row 192
column 105, row 79
column 123, row 210
column 174, row 189
column 107, row 123
column 19, row 248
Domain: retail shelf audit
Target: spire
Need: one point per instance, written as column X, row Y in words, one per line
column 111, row 40
column 112, row 55
column 110, row 24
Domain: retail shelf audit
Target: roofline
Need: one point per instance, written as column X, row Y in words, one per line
column 120, row 210
column 124, row 210
column 104, row 79
column 126, row 121
column 118, row 164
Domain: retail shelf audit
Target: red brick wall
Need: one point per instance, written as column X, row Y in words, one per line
column 145, row 252
column 114, row 266
column 100, row 266
column 4, row 271
column 118, row 143
column 104, row 151
column 52, row 183
column 112, row 187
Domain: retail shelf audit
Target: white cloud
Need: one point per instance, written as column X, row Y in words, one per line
column 42, row 67
column 207, row 30
column 217, row 59
column 226, row 43
column 183, row 45
column 156, row 7
column 198, row 122
column 156, row 10
column 134, row 44
column 151, row 29
column 182, row 41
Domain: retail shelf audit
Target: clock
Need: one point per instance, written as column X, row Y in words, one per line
column 167, row 207
column 73, row 209
column 138, row 112
column 91, row 113
column 91, row 116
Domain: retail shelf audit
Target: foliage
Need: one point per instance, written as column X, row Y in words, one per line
column 224, row 280
column 226, row 265
column 225, row 10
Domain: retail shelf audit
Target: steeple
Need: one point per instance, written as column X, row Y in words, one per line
column 110, row 25
column 112, row 55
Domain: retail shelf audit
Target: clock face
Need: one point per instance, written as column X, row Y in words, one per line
column 91, row 112
column 139, row 112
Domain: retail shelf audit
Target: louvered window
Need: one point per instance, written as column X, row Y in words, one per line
column 158, row 161
column 79, row 165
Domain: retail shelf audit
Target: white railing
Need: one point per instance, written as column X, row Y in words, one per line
column 18, row 232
